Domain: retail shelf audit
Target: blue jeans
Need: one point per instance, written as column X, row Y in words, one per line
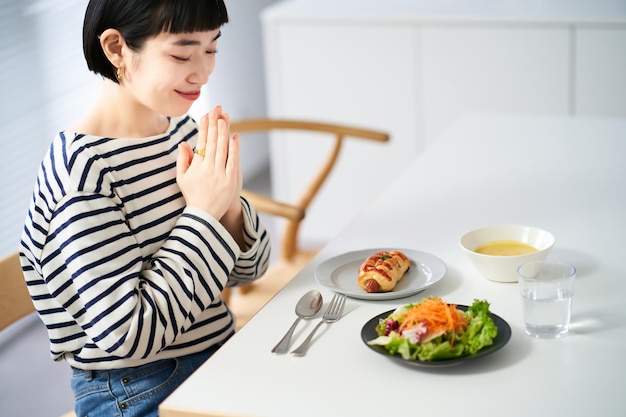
column 132, row 392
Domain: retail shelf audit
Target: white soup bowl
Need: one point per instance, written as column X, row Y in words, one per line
column 503, row 268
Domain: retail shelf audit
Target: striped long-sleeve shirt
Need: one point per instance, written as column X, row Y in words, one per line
column 121, row 272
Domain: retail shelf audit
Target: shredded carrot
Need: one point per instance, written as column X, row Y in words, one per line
column 438, row 317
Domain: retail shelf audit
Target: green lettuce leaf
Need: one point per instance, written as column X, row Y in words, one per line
column 481, row 329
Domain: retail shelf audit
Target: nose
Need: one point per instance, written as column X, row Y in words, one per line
column 202, row 71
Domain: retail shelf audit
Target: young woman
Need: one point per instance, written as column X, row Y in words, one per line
column 131, row 235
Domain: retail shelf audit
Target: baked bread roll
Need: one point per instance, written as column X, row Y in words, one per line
column 383, row 270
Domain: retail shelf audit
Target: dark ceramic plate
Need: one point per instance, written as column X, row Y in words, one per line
column 368, row 332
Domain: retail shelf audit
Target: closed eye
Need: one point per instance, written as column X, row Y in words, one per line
column 185, row 59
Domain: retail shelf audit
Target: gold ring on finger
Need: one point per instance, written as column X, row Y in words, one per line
column 201, row 152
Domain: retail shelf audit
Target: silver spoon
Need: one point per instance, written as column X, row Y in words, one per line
column 307, row 307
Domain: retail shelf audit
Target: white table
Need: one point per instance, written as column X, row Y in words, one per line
column 562, row 174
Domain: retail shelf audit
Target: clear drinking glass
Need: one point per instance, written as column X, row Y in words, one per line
column 546, row 288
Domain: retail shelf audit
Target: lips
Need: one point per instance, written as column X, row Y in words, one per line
column 189, row 95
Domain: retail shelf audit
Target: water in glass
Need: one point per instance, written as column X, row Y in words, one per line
column 547, row 314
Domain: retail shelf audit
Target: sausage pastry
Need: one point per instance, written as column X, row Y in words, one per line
column 383, row 270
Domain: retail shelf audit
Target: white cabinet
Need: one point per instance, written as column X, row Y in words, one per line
column 600, row 71
column 343, row 75
column 411, row 67
column 486, row 68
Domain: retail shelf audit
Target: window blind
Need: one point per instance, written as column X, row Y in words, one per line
column 45, row 86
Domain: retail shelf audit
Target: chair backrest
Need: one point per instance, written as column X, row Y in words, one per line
column 15, row 302
column 294, row 212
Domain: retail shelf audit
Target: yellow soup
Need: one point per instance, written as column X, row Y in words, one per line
column 505, row 248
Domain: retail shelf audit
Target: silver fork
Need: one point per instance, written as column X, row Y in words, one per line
column 332, row 314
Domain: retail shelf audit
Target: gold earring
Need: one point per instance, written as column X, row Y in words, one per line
column 119, row 73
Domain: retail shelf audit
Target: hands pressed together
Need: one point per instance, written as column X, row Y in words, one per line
column 213, row 182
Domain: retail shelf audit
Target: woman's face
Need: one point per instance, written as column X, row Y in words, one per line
column 168, row 72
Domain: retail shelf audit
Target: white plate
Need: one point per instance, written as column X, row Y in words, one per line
column 340, row 274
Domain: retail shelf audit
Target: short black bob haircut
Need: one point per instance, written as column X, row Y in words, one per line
column 139, row 20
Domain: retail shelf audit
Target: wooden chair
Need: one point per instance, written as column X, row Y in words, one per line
column 15, row 302
column 249, row 299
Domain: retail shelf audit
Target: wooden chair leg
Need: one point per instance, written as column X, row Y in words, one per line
column 226, row 293
column 244, row 289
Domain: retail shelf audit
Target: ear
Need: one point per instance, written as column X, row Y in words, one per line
column 113, row 43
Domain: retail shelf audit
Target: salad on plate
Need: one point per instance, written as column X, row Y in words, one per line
column 434, row 330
